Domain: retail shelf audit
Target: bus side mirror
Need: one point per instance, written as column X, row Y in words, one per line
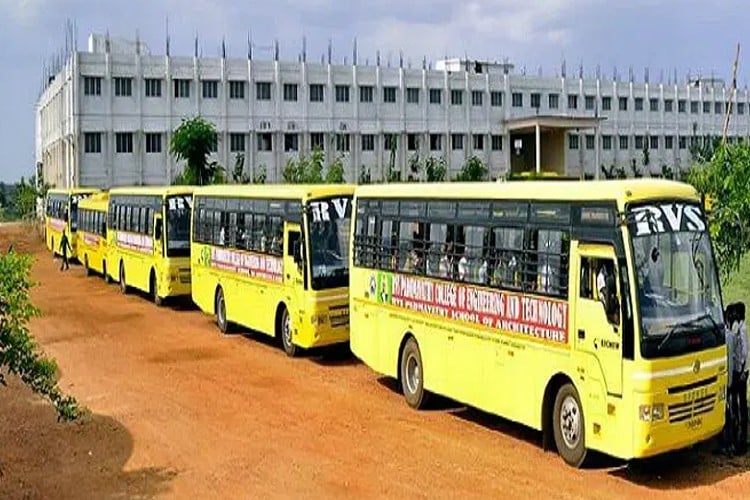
column 158, row 229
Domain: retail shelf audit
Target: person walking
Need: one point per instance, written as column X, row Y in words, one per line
column 739, row 376
column 64, row 247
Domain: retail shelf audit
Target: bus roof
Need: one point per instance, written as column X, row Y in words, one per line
column 151, row 190
column 622, row 191
column 77, row 190
column 289, row 191
column 97, row 201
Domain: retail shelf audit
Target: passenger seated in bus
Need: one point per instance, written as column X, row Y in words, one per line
column 482, row 273
column 412, row 262
column 546, row 276
column 601, row 282
column 445, row 265
column 463, row 264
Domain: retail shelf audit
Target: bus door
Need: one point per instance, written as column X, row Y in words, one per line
column 158, row 235
column 295, row 263
column 598, row 326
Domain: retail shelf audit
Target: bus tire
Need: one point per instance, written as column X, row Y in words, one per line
column 86, row 264
column 107, row 279
column 154, row 289
column 54, row 254
column 569, row 426
column 220, row 309
column 123, row 283
column 285, row 332
column 412, row 375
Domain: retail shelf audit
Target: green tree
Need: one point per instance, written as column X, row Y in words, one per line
column 335, row 172
column 259, row 176
column 305, row 169
column 26, row 196
column 19, row 353
column 435, row 169
column 725, row 179
column 3, row 195
column 473, row 170
column 193, row 142
column 238, row 172
column 365, row 177
column 415, row 168
column 637, row 172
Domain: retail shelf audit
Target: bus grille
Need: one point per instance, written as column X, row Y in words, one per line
column 185, row 276
column 680, row 412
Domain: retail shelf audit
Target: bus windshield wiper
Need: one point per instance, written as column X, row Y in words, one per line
column 683, row 324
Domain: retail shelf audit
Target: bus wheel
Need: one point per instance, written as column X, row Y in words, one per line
column 86, row 265
column 154, row 285
column 53, row 248
column 412, row 375
column 123, row 284
column 286, row 333
column 107, row 279
column 220, row 307
column 569, row 427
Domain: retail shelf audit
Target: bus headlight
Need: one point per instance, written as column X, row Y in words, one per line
column 651, row 413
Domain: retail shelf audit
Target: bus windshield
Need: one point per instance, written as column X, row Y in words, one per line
column 178, row 225
column 677, row 281
column 329, row 223
column 73, row 215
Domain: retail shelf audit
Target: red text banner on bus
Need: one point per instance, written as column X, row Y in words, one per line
column 57, row 224
column 536, row 317
column 136, row 242
column 260, row 266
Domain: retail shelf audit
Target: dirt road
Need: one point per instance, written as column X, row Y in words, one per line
column 178, row 410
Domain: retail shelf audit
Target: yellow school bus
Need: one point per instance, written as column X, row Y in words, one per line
column 148, row 235
column 92, row 233
column 61, row 214
column 274, row 259
column 589, row 310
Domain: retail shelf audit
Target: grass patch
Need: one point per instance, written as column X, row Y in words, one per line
column 737, row 286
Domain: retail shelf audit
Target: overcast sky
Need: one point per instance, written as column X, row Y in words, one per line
column 687, row 35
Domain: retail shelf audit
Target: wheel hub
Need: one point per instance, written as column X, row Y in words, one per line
column 570, row 422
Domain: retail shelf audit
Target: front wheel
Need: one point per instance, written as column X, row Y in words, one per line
column 412, row 375
column 569, row 426
column 155, row 291
column 286, row 334
column 123, row 285
column 107, row 279
column 221, row 312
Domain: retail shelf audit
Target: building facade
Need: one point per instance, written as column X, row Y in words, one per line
column 106, row 118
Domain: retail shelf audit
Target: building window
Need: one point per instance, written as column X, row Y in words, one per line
column 497, row 142
column 318, row 141
column 639, row 103
column 236, row 89
column 553, row 100
column 653, row 104
column 740, row 108
column 181, row 88
column 124, row 142
column 478, row 142
column 536, row 100
column 572, row 101
column 389, row 94
column 668, row 103
column 210, row 89
column 436, row 96
column 668, row 142
column 653, row 142
column 623, row 103
column 496, row 98
column 291, row 142
column 342, row 143
column 606, row 103
column 573, row 141
column 607, row 142
column 92, row 85
column 590, row 100
column 366, row 93
column 92, row 142
column 262, row 91
column 639, row 142
column 457, row 97
column 123, row 87
column 265, row 142
column 436, row 142
column 624, row 142
column 153, row 143
column 706, row 108
column 694, row 107
column 590, row 141
column 477, row 98
column 457, row 141
column 290, row 92
column 368, row 142
column 719, row 108
column 236, row 143
column 342, row 93
column 682, row 140
column 153, row 87
column 681, row 106
column 412, row 142
column 412, row 95
column 390, row 142
column 317, row 92
column 516, row 99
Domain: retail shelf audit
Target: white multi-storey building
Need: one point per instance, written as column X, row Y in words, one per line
column 107, row 117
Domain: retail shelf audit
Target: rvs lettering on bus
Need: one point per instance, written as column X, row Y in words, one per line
column 321, row 210
column 668, row 217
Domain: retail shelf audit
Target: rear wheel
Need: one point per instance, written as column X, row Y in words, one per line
column 54, row 254
column 154, row 285
column 86, row 264
column 123, row 284
column 286, row 334
column 220, row 308
column 412, row 375
column 107, row 279
column 569, row 426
